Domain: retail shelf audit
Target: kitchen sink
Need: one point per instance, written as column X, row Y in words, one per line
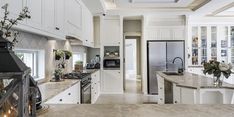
column 172, row 73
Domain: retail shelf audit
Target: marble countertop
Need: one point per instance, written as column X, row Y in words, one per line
column 195, row 81
column 51, row 89
column 141, row 110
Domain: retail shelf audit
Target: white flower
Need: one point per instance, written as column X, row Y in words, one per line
column 224, row 67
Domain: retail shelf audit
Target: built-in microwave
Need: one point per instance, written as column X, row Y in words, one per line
column 111, row 63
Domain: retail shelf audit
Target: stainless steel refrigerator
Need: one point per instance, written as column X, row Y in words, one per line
column 160, row 56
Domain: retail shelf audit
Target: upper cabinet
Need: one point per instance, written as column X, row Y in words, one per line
column 210, row 43
column 110, row 30
column 87, row 27
column 73, row 11
column 54, row 18
column 35, row 8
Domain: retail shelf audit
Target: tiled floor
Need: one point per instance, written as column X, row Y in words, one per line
column 132, row 95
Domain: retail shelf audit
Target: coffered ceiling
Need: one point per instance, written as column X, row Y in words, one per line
column 155, row 4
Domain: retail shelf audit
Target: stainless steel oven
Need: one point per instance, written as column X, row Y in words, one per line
column 111, row 63
column 86, row 94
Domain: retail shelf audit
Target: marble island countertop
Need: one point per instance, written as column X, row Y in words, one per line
column 195, row 81
column 140, row 110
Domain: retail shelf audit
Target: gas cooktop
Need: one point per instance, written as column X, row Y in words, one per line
column 76, row 75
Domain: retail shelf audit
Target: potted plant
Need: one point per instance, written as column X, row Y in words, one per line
column 59, row 54
column 79, row 66
column 219, row 70
column 68, row 54
column 57, row 74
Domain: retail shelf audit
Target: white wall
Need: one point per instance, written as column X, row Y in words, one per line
column 37, row 42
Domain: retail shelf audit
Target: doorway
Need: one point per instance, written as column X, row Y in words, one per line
column 132, row 82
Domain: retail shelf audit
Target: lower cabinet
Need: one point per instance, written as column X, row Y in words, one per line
column 95, row 86
column 112, row 82
column 69, row 96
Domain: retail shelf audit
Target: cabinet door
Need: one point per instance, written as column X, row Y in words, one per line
column 188, row 96
column 176, row 94
column 59, row 17
column 112, row 82
column 49, row 15
column 74, row 17
column 110, row 31
column 14, row 7
column 35, row 8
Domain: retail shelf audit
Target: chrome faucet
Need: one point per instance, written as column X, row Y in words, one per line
column 182, row 63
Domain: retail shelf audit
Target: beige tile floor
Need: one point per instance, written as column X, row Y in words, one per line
column 132, row 95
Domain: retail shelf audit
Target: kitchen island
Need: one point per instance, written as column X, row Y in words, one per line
column 192, row 89
column 141, row 110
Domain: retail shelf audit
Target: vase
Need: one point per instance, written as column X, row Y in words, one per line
column 218, row 81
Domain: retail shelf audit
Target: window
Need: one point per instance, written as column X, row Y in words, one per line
column 79, row 57
column 30, row 58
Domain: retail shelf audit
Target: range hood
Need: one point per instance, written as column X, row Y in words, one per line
column 74, row 41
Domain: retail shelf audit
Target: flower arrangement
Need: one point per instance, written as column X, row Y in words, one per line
column 7, row 23
column 217, row 68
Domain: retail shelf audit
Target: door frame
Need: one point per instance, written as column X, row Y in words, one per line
column 147, row 45
column 138, row 40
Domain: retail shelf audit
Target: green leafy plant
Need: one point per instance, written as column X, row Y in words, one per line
column 7, row 23
column 79, row 62
column 68, row 54
column 59, row 54
column 58, row 73
column 217, row 68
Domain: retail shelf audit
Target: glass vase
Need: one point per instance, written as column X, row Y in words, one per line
column 218, row 81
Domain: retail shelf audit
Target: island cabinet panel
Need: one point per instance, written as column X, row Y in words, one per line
column 176, row 94
column 95, row 86
column 188, row 96
column 161, row 91
column 69, row 96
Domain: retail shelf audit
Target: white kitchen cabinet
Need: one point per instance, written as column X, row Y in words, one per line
column 188, row 96
column 87, row 27
column 110, row 30
column 53, row 17
column 95, row 86
column 15, row 7
column 59, row 18
column 176, row 94
column 112, row 82
column 161, row 90
column 35, row 8
column 69, row 96
column 73, row 18
column 49, row 15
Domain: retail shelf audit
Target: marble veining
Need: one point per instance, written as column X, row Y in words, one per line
column 195, row 81
column 51, row 89
column 139, row 110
